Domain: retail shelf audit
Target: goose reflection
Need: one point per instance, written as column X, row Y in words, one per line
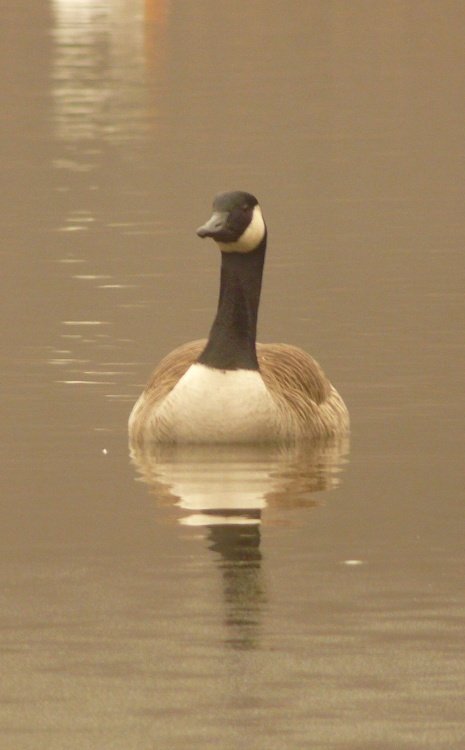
column 230, row 490
column 234, row 484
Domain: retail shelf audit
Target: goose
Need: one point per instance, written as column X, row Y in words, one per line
column 229, row 388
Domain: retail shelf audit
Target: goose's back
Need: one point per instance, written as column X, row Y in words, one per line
column 309, row 405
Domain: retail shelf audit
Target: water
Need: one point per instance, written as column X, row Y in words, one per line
column 211, row 599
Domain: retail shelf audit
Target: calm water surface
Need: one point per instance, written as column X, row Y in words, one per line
column 299, row 598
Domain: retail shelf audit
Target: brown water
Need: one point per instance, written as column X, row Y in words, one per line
column 258, row 599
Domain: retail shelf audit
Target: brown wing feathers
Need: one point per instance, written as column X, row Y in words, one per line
column 172, row 368
column 289, row 373
column 292, row 372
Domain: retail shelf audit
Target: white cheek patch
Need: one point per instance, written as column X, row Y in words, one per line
column 250, row 238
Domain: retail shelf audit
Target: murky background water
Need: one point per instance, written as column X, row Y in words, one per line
column 258, row 599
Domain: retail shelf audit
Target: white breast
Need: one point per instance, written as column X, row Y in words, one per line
column 218, row 406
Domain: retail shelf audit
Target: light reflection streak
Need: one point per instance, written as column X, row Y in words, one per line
column 71, row 260
column 91, row 277
column 84, row 382
column 117, row 286
column 85, row 323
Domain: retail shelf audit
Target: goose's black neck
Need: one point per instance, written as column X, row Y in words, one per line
column 231, row 344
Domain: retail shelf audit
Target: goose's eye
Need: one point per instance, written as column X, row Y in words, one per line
column 245, row 207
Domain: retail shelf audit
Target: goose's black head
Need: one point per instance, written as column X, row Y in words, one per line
column 236, row 223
